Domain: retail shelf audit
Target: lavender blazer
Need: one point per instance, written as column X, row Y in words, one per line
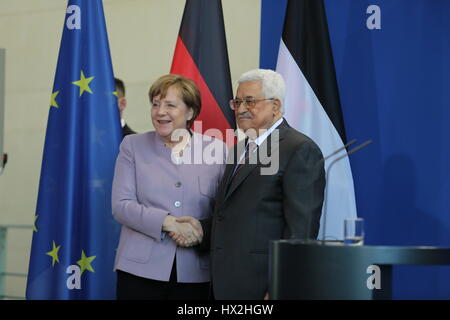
column 147, row 187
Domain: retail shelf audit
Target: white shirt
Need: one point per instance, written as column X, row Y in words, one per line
column 262, row 137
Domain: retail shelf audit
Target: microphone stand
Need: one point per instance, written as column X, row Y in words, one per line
column 325, row 203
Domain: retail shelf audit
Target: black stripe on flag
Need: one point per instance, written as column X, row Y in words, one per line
column 306, row 36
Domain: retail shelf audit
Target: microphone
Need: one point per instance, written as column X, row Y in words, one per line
column 357, row 148
column 338, row 150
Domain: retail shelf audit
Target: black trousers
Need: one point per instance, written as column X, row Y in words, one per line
column 131, row 287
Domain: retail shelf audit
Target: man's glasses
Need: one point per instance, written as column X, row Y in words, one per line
column 249, row 102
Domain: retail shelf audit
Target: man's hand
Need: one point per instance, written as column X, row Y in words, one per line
column 182, row 232
column 182, row 238
column 193, row 222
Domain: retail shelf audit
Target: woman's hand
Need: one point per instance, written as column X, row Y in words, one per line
column 189, row 232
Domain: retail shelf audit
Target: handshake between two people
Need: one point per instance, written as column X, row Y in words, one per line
column 185, row 231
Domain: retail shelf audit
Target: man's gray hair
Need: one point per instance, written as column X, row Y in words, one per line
column 272, row 83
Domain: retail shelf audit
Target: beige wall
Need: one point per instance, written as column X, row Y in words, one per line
column 142, row 35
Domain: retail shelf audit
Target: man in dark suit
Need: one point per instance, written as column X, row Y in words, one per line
column 122, row 103
column 253, row 206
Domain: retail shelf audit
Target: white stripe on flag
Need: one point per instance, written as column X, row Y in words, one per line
column 304, row 112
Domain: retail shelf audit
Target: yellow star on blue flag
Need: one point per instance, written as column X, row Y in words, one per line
column 53, row 102
column 83, row 83
column 54, row 254
column 34, row 225
column 85, row 262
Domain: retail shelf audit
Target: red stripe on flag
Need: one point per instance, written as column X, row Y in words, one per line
column 211, row 114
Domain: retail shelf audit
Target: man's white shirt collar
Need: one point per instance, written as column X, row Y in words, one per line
column 264, row 136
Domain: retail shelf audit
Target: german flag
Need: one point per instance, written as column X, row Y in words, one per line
column 201, row 55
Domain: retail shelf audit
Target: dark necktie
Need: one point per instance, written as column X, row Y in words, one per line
column 251, row 146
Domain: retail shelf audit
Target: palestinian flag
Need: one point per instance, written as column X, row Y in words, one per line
column 312, row 104
column 201, row 55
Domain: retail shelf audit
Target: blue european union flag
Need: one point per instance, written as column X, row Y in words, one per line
column 75, row 236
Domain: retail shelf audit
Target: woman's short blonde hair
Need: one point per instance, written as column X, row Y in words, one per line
column 189, row 92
